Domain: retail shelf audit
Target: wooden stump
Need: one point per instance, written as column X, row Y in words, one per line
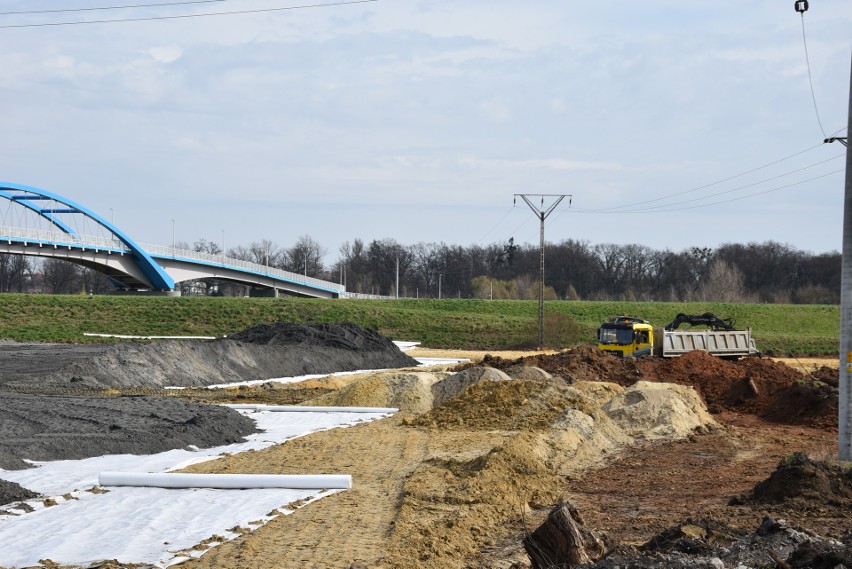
column 562, row 541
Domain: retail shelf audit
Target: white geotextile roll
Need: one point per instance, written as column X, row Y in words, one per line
column 226, row 481
column 310, row 409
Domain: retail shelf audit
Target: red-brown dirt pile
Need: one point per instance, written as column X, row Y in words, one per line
column 757, row 386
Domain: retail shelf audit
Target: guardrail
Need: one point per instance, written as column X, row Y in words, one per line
column 62, row 238
column 114, row 244
column 221, row 260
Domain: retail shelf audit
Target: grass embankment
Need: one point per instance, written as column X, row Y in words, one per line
column 464, row 324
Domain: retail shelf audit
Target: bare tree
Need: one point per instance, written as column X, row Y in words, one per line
column 205, row 246
column 15, row 273
column 724, row 283
column 305, row 257
column 266, row 253
column 60, row 277
column 95, row 282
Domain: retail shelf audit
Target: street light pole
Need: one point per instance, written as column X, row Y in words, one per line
column 173, row 238
column 439, row 286
column 223, row 245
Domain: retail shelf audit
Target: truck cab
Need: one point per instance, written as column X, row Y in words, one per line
column 626, row 336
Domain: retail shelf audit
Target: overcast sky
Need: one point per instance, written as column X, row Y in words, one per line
column 419, row 120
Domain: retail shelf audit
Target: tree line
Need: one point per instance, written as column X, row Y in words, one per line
column 574, row 270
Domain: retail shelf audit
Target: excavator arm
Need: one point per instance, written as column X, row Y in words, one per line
column 706, row 319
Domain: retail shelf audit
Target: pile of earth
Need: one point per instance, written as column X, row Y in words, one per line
column 14, row 492
column 805, row 481
column 42, row 428
column 525, row 399
column 763, row 387
column 262, row 352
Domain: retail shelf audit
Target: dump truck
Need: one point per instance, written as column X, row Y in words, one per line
column 630, row 336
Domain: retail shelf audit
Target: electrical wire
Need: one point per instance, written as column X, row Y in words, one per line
column 481, row 239
column 94, row 9
column 810, row 80
column 184, row 16
column 723, row 180
column 738, row 188
column 761, row 193
column 738, row 198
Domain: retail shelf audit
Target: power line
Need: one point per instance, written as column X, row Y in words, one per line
column 784, row 187
column 183, row 16
column 716, row 183
column 708, row 196
column 808, row 61
column 481, row 239
column 124, row 7
column 779, row 188
column 660, row 209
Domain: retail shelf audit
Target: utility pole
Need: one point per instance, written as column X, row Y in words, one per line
column 844, row 408
column 397, row 277
column 541, row 213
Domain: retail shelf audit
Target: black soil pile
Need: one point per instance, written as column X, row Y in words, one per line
column 695, row 537
column 42, row 428
column 757, row 386
column 709, row 544
column 12, row 492
column 263, row 352
column 800, row 480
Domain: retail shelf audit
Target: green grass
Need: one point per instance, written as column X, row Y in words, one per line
column 471, row 324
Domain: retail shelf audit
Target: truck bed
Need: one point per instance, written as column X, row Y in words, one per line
column 734, row 343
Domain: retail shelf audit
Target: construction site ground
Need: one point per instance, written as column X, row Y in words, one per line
column 631, row 496
column 460, row 484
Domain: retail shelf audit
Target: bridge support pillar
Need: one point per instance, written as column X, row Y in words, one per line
column 263, row 292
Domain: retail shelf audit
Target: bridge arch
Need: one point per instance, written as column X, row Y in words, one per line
column 139, row 269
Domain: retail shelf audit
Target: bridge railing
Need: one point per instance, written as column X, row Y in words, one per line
column 176, row 253
column 114, row 244
column 61, row 238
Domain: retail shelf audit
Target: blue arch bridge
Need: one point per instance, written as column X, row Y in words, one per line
column 40, row 223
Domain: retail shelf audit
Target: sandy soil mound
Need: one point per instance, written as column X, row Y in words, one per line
column 408, row 391
column 762, row 387
column 261, row 352
column 458, row 382
column 527, row 372
column 511, row 405
column 658, row 411
column 58, row 428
